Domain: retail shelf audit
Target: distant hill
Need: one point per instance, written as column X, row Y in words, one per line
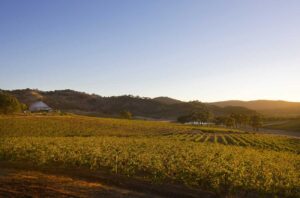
column 259, row 104
column 227, row 110
column 91, row 104
column 167, row 100
column 267, row 107
column 288, row 125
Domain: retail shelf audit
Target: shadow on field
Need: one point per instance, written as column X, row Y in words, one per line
column 24, row 180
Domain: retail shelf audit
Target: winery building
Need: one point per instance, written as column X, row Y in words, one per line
column 39, row 106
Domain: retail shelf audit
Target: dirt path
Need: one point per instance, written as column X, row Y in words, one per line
column 18, row 180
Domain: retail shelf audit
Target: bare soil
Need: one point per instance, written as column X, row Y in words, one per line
column 24, row 180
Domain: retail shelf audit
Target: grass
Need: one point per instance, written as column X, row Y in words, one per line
column 288, row 125
column 217, row 160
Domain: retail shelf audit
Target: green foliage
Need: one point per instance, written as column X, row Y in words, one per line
column 61, row 126
column 256, row 122
column 9, row 104
column 220, row 120
column 226, row 162
column 236, row 120
column 196, row 116
column 24, row 107
column 184, row 119
column 251, row 140
column 126, row 115
column 222, row 169
column 200, row 116
column 230, row 122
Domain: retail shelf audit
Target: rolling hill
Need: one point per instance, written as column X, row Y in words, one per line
column 267, row 107
column 91, row 104
column 287, row 125
column 167, row 100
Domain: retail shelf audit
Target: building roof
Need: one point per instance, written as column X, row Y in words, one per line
column 39, row 106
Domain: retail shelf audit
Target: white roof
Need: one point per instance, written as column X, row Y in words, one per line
column 39, row 106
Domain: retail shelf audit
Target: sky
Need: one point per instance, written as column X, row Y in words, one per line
column 184, row 49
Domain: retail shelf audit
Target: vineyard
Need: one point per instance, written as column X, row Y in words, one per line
column 62, row 126
column 226, row 162
column 242, row 139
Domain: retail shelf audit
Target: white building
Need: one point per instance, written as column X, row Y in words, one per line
column 39, row 106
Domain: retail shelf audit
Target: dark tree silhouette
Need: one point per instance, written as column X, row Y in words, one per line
column 126, row 114
column 256, row 122
column 9, row 104
column 230, row 122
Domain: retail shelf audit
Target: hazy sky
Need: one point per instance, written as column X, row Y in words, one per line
column 205, row 50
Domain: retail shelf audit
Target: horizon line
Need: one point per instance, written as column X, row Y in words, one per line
column 91, row 93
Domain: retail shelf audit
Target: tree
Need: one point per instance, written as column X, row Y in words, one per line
column 126, row 114
column 256, row 122
column 196, row 116
column 184, row 119
column 245, row 119
column 200, row 116
column 9, row 104
column 230, row 122
column 220, row 120
column 238, row 119
column 24, row 107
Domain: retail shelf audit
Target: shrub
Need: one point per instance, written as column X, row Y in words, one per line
column 9, row 104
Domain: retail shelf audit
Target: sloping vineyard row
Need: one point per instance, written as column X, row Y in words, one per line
column 214, row 167
column 245, row 140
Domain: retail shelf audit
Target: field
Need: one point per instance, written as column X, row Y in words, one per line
column 224, row 162
column 288, row 125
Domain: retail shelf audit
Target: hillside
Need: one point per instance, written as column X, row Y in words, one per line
column 267, row 107
column 287, row 125
column 167, row 100
column 91, row 104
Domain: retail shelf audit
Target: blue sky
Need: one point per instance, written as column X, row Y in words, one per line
column 204, row 50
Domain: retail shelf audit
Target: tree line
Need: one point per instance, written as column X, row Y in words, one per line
column 10, row 104
column 234, row 120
